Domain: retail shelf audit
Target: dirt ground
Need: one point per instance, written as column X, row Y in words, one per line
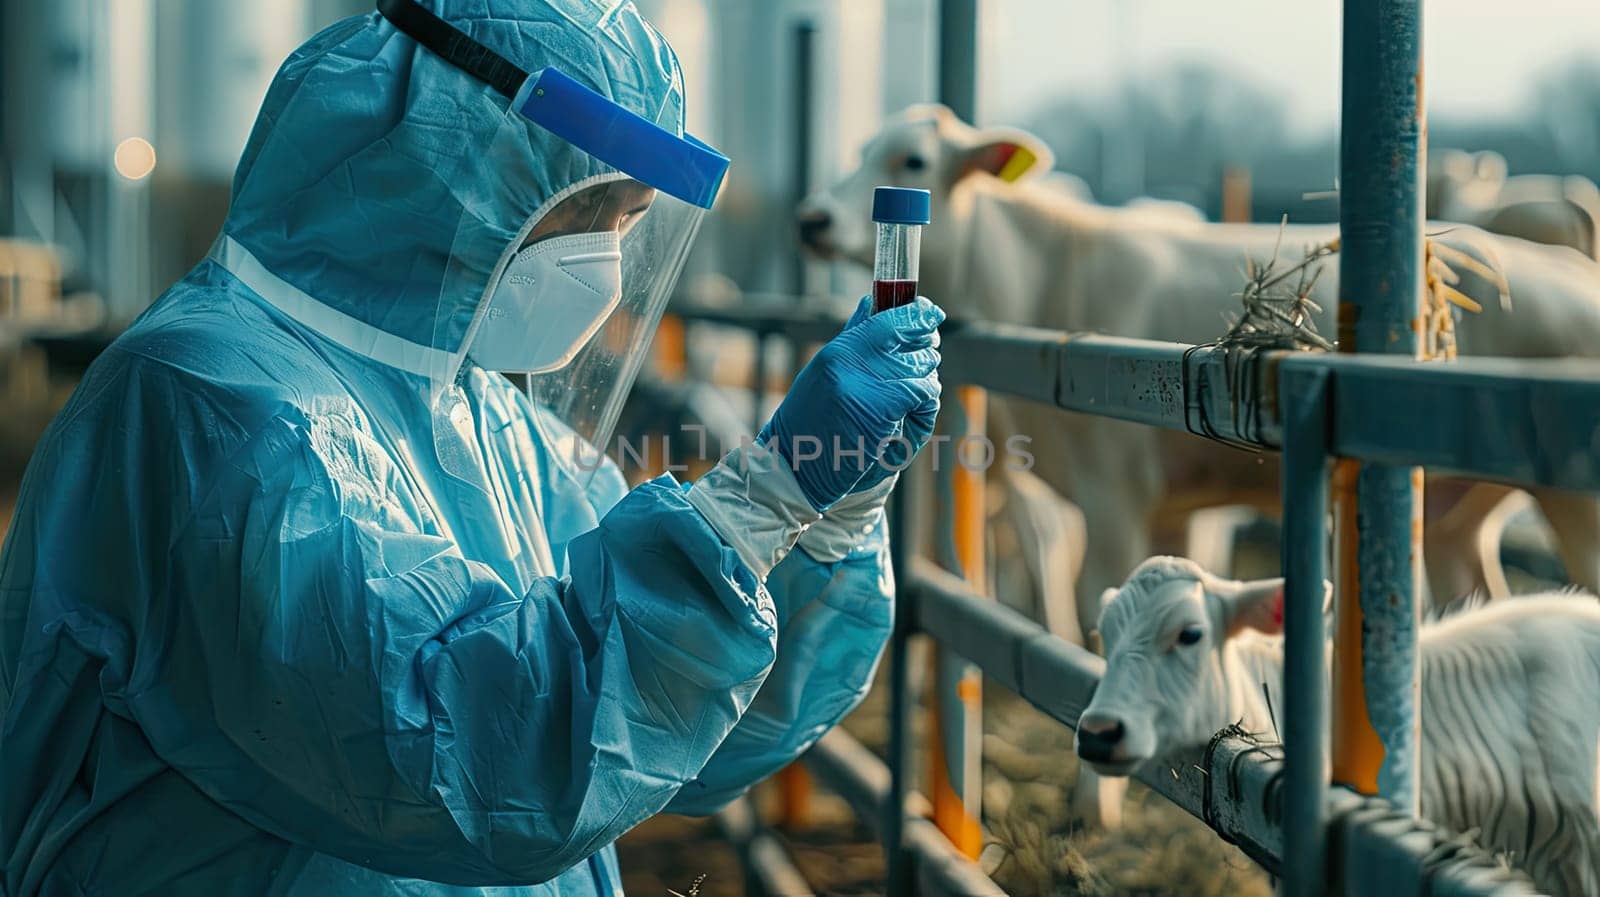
column 670, row 853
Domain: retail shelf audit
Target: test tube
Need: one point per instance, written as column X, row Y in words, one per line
column 900, row 213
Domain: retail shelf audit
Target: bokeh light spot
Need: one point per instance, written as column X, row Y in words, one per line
column 135, row 158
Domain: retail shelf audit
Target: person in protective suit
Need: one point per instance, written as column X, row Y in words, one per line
column 302, row 597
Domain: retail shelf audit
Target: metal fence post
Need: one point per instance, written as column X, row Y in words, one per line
column 1382, row 165
column 1305, row 545
column 905, row 509
column 805, row 102
column 955, row 731
column 958, row 57
column 794, row 783
column 759, row 376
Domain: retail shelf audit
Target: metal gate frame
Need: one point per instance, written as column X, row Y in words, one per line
column 1390, row 413
column 1312, row 407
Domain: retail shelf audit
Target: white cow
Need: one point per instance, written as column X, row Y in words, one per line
column 1475, row 188
column 1018, row 253
column 1510, row 730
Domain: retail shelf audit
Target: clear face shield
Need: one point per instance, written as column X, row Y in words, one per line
column 579, row 302
column 570, row 251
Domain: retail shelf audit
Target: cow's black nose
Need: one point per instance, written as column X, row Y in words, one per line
column 814, row 227
column 1098, row 738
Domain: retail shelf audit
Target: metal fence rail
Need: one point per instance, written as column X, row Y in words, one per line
column 1544, row 414
column 856, row 774
column 1534, row 423
column 768, row 869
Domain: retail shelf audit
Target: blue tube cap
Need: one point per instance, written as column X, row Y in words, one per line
column 902, row 205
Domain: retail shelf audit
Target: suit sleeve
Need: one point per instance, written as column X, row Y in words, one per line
column 350, row 683
column 834, row 618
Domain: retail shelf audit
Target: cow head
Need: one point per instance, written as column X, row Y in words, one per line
column 1461, row 185
column 1166, row 633
column 925, row 146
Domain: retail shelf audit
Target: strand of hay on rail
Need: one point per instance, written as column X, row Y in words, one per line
column 1280, row 313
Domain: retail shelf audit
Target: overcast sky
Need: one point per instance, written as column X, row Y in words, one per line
column 1482, row 55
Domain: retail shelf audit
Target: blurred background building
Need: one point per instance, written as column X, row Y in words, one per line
column 121, row 123
column 121, row 120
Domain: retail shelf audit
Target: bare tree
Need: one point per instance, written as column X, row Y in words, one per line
column 1191, row 119
column 1568, row 108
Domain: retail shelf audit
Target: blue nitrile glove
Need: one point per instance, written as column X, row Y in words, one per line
column 876, row 381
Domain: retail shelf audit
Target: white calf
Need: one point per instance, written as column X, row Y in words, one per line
column 1510, row 730
column 1013, row 251
column 1462, row 185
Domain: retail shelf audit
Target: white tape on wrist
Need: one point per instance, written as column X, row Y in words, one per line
column 847, row 524
column 755, row 504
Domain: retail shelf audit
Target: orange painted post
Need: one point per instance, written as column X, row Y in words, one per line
column 970, row 519
column 794, row 797
column 956, row 716
column 1356, row 751
column 794, row 781
column 1236, row 197
column 672, row 348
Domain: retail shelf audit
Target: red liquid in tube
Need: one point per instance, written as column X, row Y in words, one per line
column 887, row 294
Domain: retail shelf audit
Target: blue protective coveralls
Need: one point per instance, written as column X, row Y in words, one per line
column 254, row 640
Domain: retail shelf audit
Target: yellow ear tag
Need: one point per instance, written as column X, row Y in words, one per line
column 1021, row 162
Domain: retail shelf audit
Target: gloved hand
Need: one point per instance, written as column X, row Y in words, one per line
column 873, row 388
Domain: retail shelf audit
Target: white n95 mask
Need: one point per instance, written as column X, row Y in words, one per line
column 552, row 298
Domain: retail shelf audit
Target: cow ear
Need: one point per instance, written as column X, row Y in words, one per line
column 1094, row 641
column 1005, row 153
column 1490, row 166
column 1255, row 605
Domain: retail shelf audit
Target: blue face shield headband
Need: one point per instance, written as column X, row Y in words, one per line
column 563, row 280
column 681, row 167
